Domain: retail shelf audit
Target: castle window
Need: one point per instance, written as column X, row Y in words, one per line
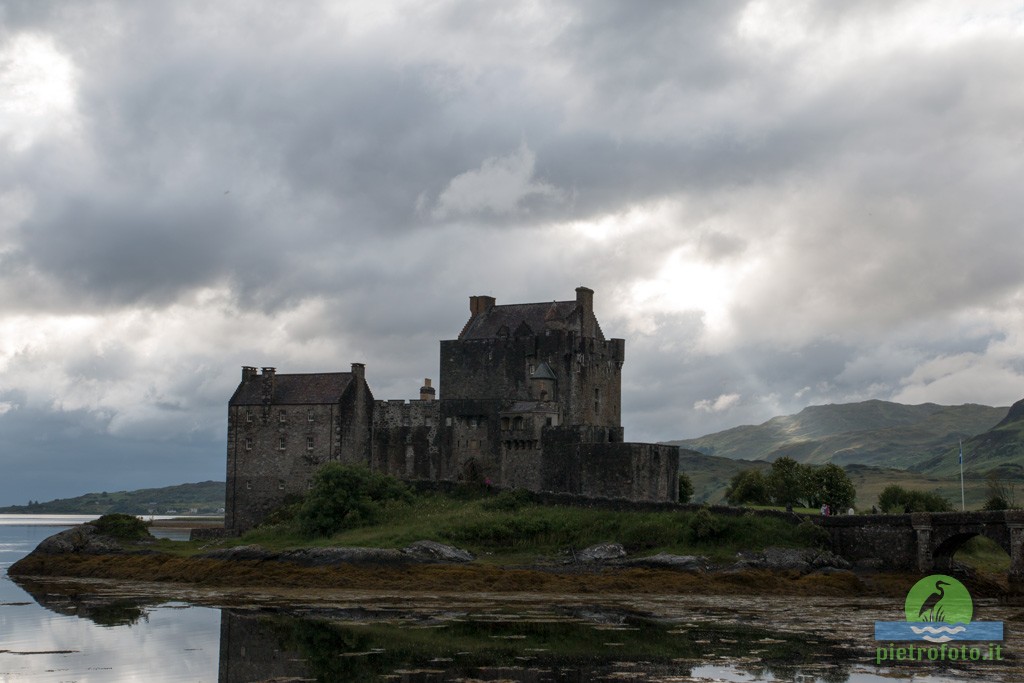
column 248, row 444
column 309, row 443
column 447, row 422
column 428, row 422
column 517, row 423
column 549, row 422
column 309, row 415
column 280, row 443
column 504, row 423
column 533, row 369
column 248, row 486
column 282, row 416
column 597, row 399
column 472, row 423
column 248, row 416
column 280, row 484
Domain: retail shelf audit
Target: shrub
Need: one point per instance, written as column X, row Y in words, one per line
column 286, row 512
column 895, row 499
column 705, row 526
column 996, row 503
column 344, row 496
column 121, row 526
column 685, row 488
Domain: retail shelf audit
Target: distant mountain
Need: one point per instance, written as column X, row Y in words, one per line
column 205, row 497
column 878, row 433
column 1000, row 449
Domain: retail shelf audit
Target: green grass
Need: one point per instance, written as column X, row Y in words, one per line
column 985, row 554
column 504, row 529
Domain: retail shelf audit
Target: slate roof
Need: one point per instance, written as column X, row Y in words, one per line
column 512, row 317
column 312, row 388
column 543, row 371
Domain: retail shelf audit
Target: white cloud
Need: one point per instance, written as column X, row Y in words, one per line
column 39, row 90
column 500, row 185
column 723, row 402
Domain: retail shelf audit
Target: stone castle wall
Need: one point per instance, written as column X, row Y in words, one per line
column 405, row 438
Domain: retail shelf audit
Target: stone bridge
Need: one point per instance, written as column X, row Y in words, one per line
column 924, row 541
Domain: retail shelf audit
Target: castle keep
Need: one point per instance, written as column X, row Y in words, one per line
column 529, row 398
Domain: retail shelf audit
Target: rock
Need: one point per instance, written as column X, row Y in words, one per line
column 84, row 539
column 826, row 559
column 685, row 563
column 601, row 552
column 781, row 559
column 432, row 551
column 791, row 559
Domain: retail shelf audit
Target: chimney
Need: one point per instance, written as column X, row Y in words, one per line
column 480, row 304
column 267, row 390
column 359, row 371
column 585, row 302
column 248, row 373
column 427, row 392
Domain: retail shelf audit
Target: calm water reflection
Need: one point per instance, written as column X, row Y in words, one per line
column 101, row 631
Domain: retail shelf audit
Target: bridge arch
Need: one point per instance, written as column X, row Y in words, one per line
column 925, row 541
column 944, row 550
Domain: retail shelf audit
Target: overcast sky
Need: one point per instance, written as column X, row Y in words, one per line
column 778, row 204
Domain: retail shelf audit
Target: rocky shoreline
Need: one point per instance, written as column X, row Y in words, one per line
column 82, row 552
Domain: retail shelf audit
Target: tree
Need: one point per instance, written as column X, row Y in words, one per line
column 748, row 487
column 685, row 488
column 830, row 485
column 787, row 482
column 895, row 499
column 1001, row 494
column 345, row 496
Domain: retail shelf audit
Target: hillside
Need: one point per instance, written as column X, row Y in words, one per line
column 202, row 498
column 877, row 433
column 1000, row 449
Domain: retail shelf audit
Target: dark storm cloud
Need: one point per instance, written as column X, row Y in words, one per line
column 308, row 186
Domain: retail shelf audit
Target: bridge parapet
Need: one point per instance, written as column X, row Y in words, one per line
column 925, row 541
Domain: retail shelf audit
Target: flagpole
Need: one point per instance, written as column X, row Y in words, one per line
column 962, row 507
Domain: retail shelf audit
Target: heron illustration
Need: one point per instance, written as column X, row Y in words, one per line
column 931, row 605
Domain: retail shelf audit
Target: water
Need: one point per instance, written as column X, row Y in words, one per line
column 109, row 632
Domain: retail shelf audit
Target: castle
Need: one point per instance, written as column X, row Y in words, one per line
column 529, row 398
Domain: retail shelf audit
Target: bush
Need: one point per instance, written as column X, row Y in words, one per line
column 344, row 496
column 895, row 499
column 685, row 489
column 705, row 526
column 996, row 503
column 121, row 526
column 286, row 512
